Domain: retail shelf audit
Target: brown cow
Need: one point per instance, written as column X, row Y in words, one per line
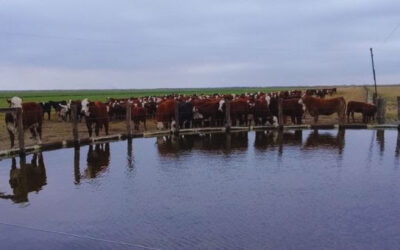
column 290, row 107
column 239, row 111
column 165, row 113
column 261, row 111
column 138, row 115
column 95, row 113
column 367, row 110
column 32, row 118
column 209, row 109
column 316, row 106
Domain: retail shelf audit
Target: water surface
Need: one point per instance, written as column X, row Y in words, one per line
column 291, row 190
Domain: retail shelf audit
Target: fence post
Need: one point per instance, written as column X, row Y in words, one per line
column 77, row 173
column 398, row 108
column 368, row 96
column 280, row 111
column 176, row 117
column 228, row 115
column 129, row 153
column 21, row 139
column 74, row 116
column 381, row 110
column 375, row 99
column 129, row 119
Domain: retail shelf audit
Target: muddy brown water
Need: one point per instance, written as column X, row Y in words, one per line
column 307, row 189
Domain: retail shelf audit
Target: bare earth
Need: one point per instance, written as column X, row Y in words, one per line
column 55, row 130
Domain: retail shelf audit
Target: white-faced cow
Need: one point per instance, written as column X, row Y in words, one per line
column 95, row 113
column 32, row 118
column 316, row 106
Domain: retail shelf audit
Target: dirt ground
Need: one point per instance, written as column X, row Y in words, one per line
column 55, row 130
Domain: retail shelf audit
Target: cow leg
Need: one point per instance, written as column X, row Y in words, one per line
column 298, row 119
column 38, row 135
column 293, row 118
column 33, row 132
column 315, row 119
column 39, row 130
column 12, row 137
column 97, row 128
column 136, row 125
column 144, row 124
column 89, row 127
column 106, row 126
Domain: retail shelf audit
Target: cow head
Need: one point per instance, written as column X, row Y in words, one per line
column 301, row 101
column 221, row 104
column 15, row 102
column 85, row 107
column 268, row 100
column 63, row 111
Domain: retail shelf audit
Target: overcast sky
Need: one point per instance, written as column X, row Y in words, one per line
column 62, row 44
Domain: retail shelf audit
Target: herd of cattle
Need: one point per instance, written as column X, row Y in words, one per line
column 194, row 110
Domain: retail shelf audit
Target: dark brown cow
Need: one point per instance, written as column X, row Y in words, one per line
column 239, row 111
column 290, row 107
column 30, row 177
column 317, row 106
column 95, row 113
column 32, row 118
column 261, row 111
column 208, row 109
column 367, row 110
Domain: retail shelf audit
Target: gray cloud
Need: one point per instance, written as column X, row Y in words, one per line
column 155, row 43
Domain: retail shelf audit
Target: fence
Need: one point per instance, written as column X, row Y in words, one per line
column 58, row 133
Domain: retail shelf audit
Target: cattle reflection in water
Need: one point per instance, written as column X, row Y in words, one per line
column 380, row 139
column 276, row 138
column 217, row 142
column 326, row 140
column 98, row 159
column 28, row 178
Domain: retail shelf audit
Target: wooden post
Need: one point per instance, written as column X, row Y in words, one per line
column 74, row 118
column 398, row 108
column 381, row 110
column 280, row 111
column 20, row 124
column 228, row 121
column 77, row 172
column 373, row 72
column 368, row 96
column 129, row 153
column 128, row 118
column 398, row 142
column 176, row 130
